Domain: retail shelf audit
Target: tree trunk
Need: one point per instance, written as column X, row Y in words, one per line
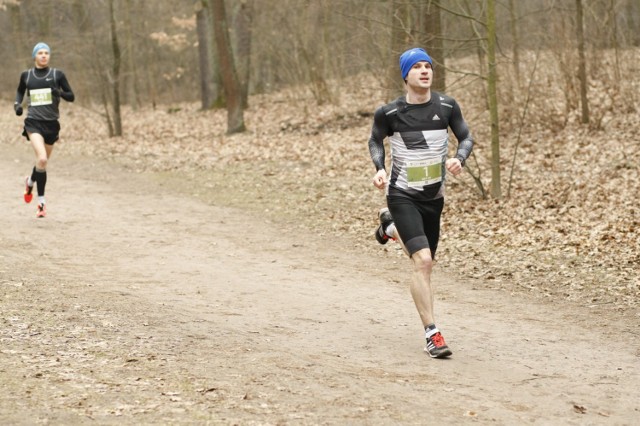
column 496, row 189
column 232, row 91
column 205, row 51
column 582, row 65
column 132, row 74
column 242, row 25
column 115, row 84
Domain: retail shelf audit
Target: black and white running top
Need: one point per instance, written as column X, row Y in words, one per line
column 44, row 88
column 419, row 141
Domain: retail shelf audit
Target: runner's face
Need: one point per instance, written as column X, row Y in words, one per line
column 420, row 75
column 42, row 58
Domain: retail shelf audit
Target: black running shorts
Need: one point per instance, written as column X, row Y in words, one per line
column 417, row 222
column 50, row 130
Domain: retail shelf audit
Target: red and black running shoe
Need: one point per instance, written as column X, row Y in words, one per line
column 385, row 220
column 436, row 347
column 42, row 211
column 28, row 196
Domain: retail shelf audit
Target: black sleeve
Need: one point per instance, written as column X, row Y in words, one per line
column 462, row 133
column 22, row 88
column 65, row 89
column 379, row 131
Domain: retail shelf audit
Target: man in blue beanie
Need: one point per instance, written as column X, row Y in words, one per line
column 417, row 127
column 43, row 87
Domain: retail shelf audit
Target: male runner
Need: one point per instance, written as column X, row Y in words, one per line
column 417, row 127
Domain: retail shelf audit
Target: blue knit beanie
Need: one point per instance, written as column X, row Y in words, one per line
column 40, row 46
column 410, row 57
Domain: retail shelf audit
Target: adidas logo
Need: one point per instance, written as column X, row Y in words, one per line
column 435, row 117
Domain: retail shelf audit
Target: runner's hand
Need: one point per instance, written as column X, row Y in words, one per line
column 55, row 92
column 18, row 109
column 453, row 166
column 380, row 179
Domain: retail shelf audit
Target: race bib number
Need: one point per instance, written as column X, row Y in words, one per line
column 40, row 97
column 426, row 172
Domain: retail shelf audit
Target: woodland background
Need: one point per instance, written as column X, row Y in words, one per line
column 268, row 104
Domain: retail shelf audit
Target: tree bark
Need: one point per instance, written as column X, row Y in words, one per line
column 230, row 81
column 115, row 83
column 242, row 25
column 205, row 52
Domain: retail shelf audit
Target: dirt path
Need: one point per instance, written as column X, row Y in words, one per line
column 135, row 304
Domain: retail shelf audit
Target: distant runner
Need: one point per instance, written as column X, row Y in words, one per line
column 44, row 87
column 417, row 127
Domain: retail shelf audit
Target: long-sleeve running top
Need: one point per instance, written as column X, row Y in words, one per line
column 419, row 141
column 40, row 86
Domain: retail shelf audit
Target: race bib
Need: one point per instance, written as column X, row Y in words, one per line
column 40, row 97
column 425, row 172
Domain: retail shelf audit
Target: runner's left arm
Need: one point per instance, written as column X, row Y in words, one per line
column 462, row 133
column 65, row 88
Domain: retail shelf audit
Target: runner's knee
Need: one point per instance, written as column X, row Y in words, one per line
column 422, row 260
column 41, row 163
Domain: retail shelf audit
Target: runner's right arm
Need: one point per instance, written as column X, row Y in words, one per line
column 22, row 88
column 379, row 131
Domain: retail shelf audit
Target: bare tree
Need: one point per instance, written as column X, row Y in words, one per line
column 115, row 77
column 582, row 64
column 492, row 81
column 206, row 50
column 232, row 90
column 242, row 18
column 131, row 78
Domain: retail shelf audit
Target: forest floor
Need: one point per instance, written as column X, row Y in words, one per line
column 183, row 276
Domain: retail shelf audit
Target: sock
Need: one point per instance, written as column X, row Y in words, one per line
column 30, row 182
column 40, row 178
column 41, row 199
column 429, row 329
column 390, row 230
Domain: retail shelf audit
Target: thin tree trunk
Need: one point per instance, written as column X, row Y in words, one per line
column 117, row 59
column 233, row 93
column 132, row 74
column 582, row 66
column 496, row 189
column 205, row 51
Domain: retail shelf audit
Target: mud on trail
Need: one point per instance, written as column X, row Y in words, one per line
column 136, row 302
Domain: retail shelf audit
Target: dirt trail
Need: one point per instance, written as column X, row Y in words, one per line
column 133, row 303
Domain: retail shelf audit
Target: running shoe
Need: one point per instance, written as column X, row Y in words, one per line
column 28, row 196
column 436, row 347
column 385, row 220
column 42, row 211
